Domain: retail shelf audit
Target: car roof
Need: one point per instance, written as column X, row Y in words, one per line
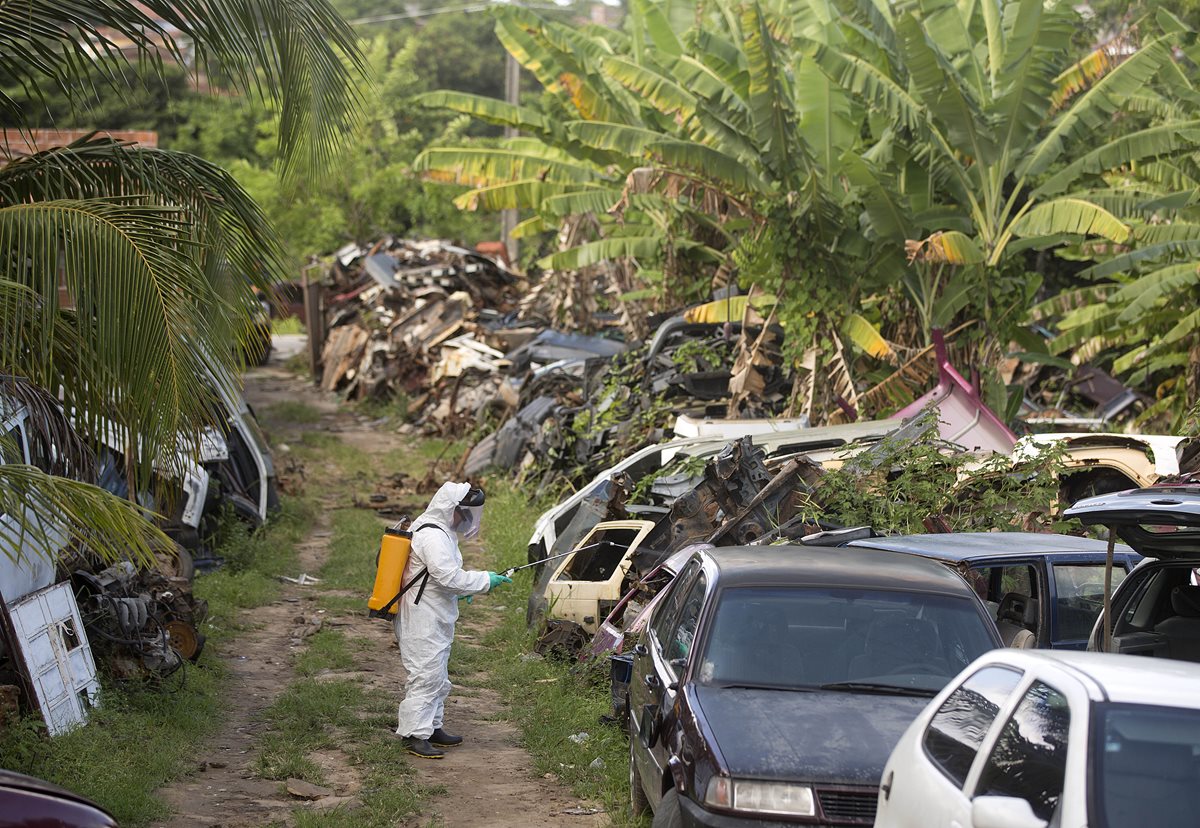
column 1124, row 678
column 833, row 566
column 967, row 546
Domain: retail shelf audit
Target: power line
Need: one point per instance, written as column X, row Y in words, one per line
column 478, row 7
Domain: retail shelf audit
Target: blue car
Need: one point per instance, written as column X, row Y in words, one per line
column 1042, row 590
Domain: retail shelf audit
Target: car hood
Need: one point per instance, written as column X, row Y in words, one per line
column 1158, row 522
column 807, row 736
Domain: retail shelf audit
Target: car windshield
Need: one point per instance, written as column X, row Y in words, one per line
column 840, row 639
column 1147, row 765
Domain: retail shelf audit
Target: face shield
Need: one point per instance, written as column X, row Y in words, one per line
column 469, row 513
column 468, row 519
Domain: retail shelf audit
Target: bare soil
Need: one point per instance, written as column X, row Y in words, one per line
column 487, row 781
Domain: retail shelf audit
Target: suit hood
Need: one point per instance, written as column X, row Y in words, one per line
column 441, row 507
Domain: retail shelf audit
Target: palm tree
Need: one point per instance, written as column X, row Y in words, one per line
column 159, row 252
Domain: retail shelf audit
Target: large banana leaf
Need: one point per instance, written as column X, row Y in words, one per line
column 643, row 248
column 484, row 166
column 709, row 164
column 1093, row 110
column 1149, row 290
column 527, row 193
column 1070, row 215
column 489, row 110
column 659, row 91
column 769, row 97
column 1154, row 142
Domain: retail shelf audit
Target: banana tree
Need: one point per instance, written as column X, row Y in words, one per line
column 988, row 133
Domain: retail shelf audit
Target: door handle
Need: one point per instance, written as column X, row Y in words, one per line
column 640, row 650
column 651, row 681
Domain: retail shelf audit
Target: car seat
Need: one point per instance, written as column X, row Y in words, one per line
column 1016, row 615
column 1182, row 631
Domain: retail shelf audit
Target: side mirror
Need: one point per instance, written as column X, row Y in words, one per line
column 1003, row 812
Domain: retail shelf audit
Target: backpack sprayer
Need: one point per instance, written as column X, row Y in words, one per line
column 392, row 557
column 389, row 570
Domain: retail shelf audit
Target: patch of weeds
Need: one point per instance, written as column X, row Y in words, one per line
column 299, row 366
column 436, row 448
column 288, row 325
column 326, row 650
column 136, row 741
column 394, row 409
column 291, row 412
column 312, row 715
column 342, row 604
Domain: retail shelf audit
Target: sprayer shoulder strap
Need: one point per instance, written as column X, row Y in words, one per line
column 422, row 576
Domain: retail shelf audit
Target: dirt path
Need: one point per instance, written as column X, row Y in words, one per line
column 488, row 781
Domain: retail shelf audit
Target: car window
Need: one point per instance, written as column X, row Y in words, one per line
column 1029, row 759
column 792, row 636
column 1080, row 598
column 1144, row 765
column 668, row 609
column 684, row 633
column 957, row 729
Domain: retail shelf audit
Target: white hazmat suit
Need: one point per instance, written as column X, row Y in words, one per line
column 425, row 630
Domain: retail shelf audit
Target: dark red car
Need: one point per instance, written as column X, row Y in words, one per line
column 772, row 683
column 26, row 802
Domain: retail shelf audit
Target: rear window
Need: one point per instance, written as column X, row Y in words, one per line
column 801, row 637
column 1146, row 765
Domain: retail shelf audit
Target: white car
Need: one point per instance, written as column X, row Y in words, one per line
column 1028, row 739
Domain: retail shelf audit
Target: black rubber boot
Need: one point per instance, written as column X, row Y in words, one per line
column 443, row 739
column 422, row 748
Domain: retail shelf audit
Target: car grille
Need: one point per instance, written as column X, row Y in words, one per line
column 855, row 806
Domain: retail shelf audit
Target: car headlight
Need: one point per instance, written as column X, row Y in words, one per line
column 752, row 796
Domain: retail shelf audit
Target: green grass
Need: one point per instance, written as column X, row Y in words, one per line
column 313, row 715
column 288, row 325
column 352, row 549
column 291, row 412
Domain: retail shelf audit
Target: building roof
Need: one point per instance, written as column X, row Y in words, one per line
column 967, row 546
column 834, row 567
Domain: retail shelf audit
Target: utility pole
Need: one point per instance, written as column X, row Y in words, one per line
column 512, row 94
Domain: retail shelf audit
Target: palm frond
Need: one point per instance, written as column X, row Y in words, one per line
column 56, row 512
column 298, row 53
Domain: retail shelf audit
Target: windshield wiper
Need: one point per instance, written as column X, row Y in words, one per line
column 876, row 687
column 746, row 686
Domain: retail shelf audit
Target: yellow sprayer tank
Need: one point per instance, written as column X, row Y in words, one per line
column 389, row 570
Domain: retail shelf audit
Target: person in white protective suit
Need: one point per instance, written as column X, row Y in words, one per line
column 429, row 609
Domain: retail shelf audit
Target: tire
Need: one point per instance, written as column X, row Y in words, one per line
column 638, row 802
column 669, row 813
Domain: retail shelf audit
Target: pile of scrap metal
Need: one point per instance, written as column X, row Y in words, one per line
column 577, row 415
column 408, row 318
column 141, row 623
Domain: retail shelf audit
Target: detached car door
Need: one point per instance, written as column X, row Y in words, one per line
column 659, row 660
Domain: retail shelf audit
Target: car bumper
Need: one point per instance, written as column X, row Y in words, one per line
column 696, row 817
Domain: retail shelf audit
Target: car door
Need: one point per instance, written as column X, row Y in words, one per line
column 658, row 663
column 1027, row 758
column 925, row 779
column 1014, row 593
column 1076, row 598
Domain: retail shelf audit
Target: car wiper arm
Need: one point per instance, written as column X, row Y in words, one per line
column 881, row 689
column 741, row 685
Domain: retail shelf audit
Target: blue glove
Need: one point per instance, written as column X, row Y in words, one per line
column 495, row 579
column 468, row 598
